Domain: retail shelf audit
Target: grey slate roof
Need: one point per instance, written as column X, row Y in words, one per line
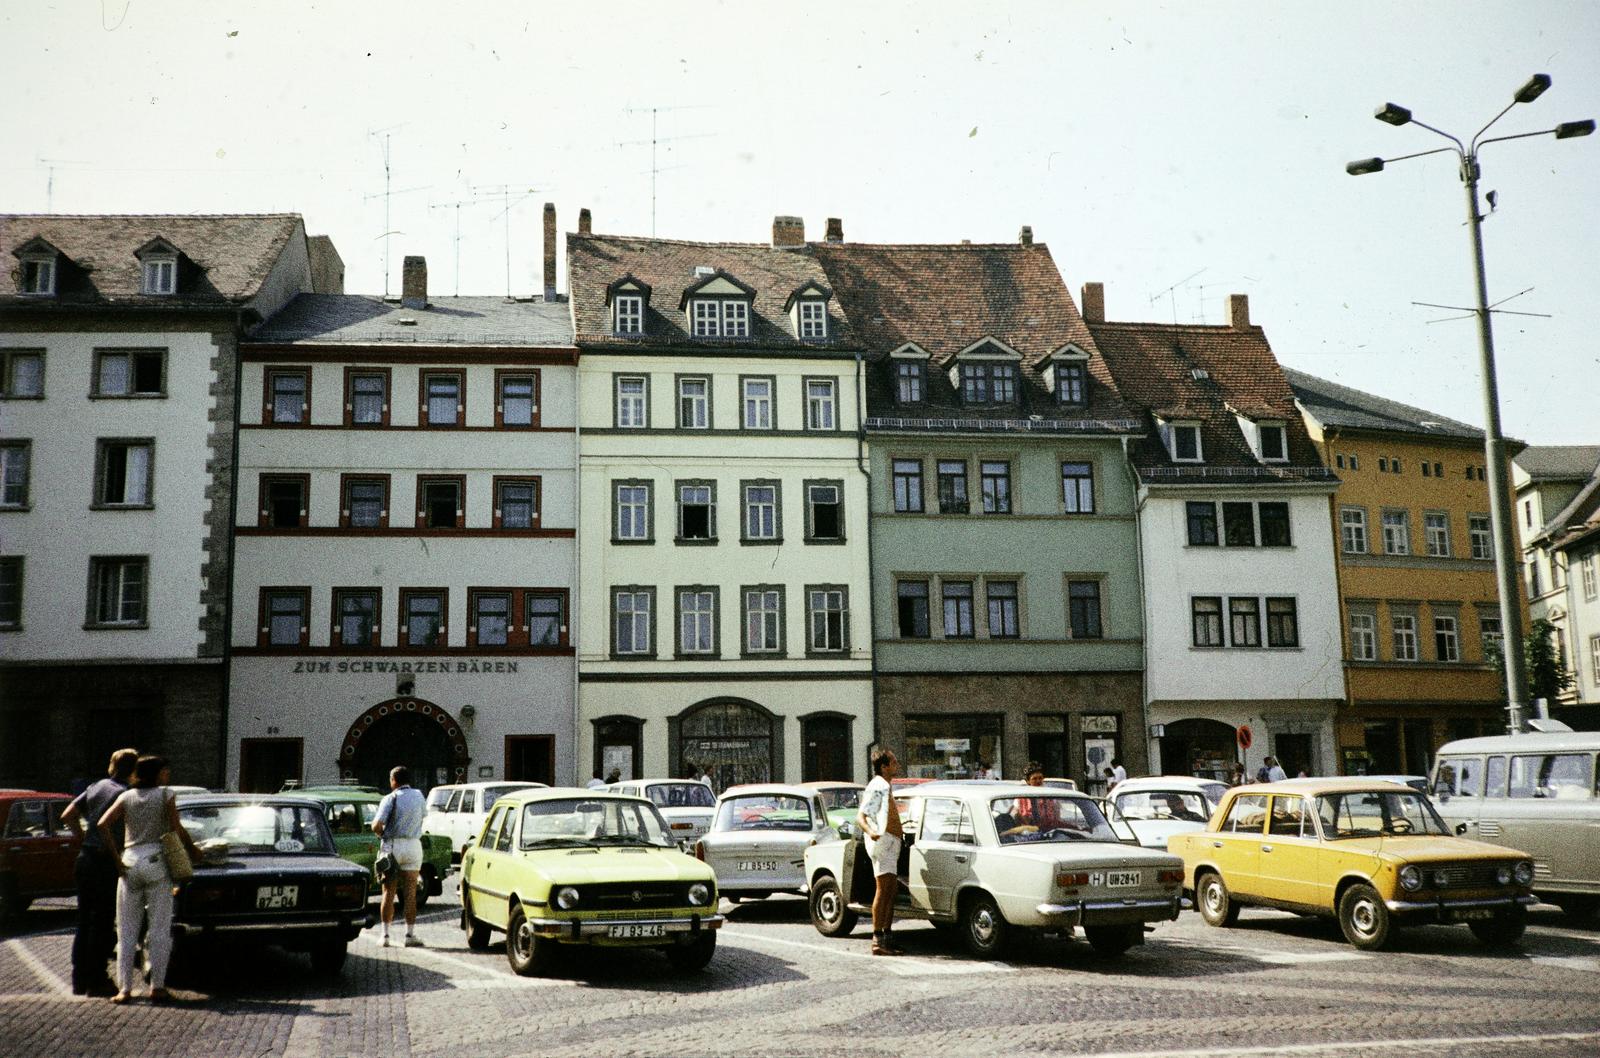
column 1334, row 405
column 364, row 319
column 1559, row 462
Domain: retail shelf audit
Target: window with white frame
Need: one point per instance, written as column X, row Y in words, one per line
column 957, row 598
column 1002, row 600
column 763, row 620
column 118, row 591
column 160, row 275
column 756, row 397
column 697, row 621
column 707, row 317
column 1363, row 637
column 1077, row 488
column 1403, row 629
column 908, row 379
column 369, row 397
column 1446, row 638
column 697, row 511
column 1481, row 534
column 994, row 480
column 735, row 319
column 813, row 319
column 21, row 373
column 632, row 609
column 1274, row 443
column 1436, row 533
column 988, row 383
column 632, row 394
column 1590, row 573
column 38, row 276
column 1491, row 637
column 907, row 475
column 628, row 314
column 1396, row 533
column 720, row 317
column 826, row 615
column 633, row 510
column 824, row 511
column 15, row 460
column 1185, row 441
column 820, row 404
column 1071, row 384
column 761, row 511
column 694, row 403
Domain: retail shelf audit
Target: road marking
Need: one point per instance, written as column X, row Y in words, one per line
column 1350, row 1045
column 1570, row 962
column 905, row 966
column 40, row 970
column 487, row 978
column 1267, row 955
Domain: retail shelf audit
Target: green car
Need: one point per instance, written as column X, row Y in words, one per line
column 556, row 867
column 350, row 811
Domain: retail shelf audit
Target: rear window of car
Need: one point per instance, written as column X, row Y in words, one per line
column 681, row 795
column 764, row 812
column 840, row 797
column 491, row 794
column 1181, row 805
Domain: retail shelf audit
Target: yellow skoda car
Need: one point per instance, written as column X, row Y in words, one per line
column 1374, row 854
column 556, row 867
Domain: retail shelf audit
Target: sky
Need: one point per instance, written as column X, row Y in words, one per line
column 1177, row 152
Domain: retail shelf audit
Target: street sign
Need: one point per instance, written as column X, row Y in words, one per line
column 1245, row 737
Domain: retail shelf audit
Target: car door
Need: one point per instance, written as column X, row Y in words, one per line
column 1549, row 812
column 1236, row 847
column 41, row 857
column 1291, row 854
column 942, row 856
column 486, row 869
column 467, row 821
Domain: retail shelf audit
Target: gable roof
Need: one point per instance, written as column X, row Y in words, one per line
column 1208, row 374
column 232, row 253
column 944, row 299
column 1559, row 462
column 1352, row 409
column 668, row 266
column 1577, row 522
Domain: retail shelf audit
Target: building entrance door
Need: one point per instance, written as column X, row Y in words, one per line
column 1199, row 747
column 827, row 749
column 265, row 764
column 531, row 758
column 732, row 740
column 403, row 738
column 1295, row 755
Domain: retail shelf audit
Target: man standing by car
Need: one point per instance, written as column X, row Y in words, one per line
column 96, row 875
column 879, row 820
column 399, row 826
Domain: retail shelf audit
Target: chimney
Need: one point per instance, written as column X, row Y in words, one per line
column 788, row 231
column 835, row 230
column 414, row 283
column 1025, row 236
column 1094, row 303
column 549, row 251
column 584, row 221
column 1239, row 311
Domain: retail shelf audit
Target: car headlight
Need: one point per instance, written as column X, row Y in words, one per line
column 699, row 894
column 1411, row 878
column 1524, row 873
column 1503, row 875
column 566, row 898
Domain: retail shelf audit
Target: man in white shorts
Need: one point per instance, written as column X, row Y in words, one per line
column 879, row 820
column 399, row 826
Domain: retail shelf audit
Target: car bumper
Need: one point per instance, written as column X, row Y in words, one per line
column 1110, row 912
column 1447, row 910
column 347, row 925
column 586, row 930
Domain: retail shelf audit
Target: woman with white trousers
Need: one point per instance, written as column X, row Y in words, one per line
column 147, row 812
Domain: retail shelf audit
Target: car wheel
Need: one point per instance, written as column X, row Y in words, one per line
column 984, row 930
column 1578, row 909
column 1364, row 918
column 328, row 958
column 1112, row 941
column 693, row 953
column 829, row 911
column 478, row 933
column 1503, row 930
column 1216, row 904
column 528, row 953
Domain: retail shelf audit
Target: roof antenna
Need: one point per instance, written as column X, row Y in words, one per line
column 511, row 197
column 387, row 194
column 457, row 207
column 50, row 165
column 1171, row 296
column 654, row 141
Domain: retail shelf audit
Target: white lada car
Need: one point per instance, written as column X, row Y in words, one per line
column 986, row 859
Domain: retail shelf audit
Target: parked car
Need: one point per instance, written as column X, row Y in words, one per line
column 269, row 873
column 1373, row 854
column 758, row 840
column 1156, row 807
column 1535, row 792
column 841, row 800
column 632, row 888
column 1418, row 783
column 350, row 811
column 990, row 858
column 37, row 850
column 1061, row 784
column 685, row 804
column 457, row 811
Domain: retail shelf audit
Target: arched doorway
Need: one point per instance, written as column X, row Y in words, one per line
column 1205, row 748
column 733, row 739
column 420, row 735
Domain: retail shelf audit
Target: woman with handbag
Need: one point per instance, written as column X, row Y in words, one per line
column 157, row 852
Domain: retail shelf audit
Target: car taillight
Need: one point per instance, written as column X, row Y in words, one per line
column 204, row 895
column 683, row 826
column 1069, row 881
column 342, row 893
column 700, row 850
column 1170, row 877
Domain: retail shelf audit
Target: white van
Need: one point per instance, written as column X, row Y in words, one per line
column 458, row 811
column 1534, row 792
column 687, row 805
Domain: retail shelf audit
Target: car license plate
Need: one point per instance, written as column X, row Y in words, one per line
column 1472, row 914
column 758, row 865
column 269, row 897
column 628, row 931
column 1121, row 879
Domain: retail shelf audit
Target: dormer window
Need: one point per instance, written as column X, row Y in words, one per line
column 808, row 311
column 720, row 318
column 39, row 276
column 628, row 314
column 813, row 316
column 1274, row 442
column 908, row 381
column 1072, row 384
column 988, row 383
column 160, row 275
column 1182, row 439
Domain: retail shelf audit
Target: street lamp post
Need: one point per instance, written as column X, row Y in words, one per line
column 1506, row 556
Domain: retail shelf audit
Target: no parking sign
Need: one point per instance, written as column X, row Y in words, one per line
column 1245, row 737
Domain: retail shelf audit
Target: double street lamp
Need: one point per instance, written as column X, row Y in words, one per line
column 1506, row 556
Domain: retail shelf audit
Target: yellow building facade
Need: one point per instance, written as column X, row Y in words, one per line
column 1418, row 597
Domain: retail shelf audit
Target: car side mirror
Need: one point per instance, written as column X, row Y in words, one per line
column 846, row 831
column 1461, row 828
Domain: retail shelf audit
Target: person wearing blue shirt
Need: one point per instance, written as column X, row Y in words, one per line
column 399, row 828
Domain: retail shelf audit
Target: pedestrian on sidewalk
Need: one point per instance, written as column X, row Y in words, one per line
column 1275, row 772
column 879, row 820
column 399, row 829
column 145, row 814
column 95, row 873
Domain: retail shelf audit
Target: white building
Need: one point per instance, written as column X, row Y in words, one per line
column 118, row 338
column 1242, row 628
column 724, row 512
column 1557, row 494
column 405, row 549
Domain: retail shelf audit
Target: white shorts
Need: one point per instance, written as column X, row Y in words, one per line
column 407, row 853
column 884, row 854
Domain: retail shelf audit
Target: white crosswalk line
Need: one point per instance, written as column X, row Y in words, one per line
column 1590, row 963
column 40, row 970
column 904, row 965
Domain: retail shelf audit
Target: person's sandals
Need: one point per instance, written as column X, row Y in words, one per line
column 160, row 995
column 881, row 945
column 122, row 997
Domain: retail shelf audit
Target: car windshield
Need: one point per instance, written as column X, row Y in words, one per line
column 1182, row 806
column 491, row 794
column 764, row 812
column 681, row 795
column 840, row 797
column 437, row 797
column 592, row 822
column 1047, row 818
column 1366, row 813
column 1213, row 792
column 254, row 828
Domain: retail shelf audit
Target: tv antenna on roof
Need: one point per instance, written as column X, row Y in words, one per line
column 51, row 164
column 457, row 207
column 511, row 196
column 388, row 230
column 655, row 141
column 1171, row 296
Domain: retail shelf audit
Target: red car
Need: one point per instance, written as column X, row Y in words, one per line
column 37, row 850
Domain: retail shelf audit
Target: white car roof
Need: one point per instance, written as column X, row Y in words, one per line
column 1148, row 783
column 766, row 789
column 513, row 783
column 1532, row 742
column 984, row 790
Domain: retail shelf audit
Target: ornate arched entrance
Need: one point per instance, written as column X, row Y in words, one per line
column 419, row 734
column 733, row 739
column 1200, row 747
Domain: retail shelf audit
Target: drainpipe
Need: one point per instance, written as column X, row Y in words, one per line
column 232, row 515
column 1144, row 603
column 872, row 580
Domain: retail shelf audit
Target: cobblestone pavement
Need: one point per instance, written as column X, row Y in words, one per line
column 1276, row 985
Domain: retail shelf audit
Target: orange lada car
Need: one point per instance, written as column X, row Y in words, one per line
column 1373, row 854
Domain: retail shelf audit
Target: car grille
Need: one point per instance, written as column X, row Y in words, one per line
column 1463, row 876
column 632, row 896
